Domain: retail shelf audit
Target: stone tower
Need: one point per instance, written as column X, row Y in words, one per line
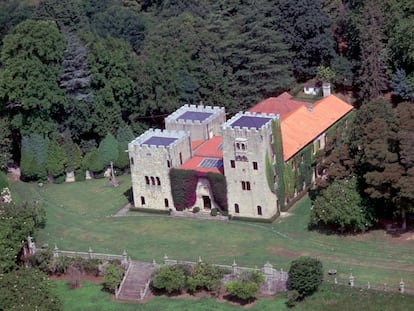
column 246, row 141
column 151, row 156
column 202, row 122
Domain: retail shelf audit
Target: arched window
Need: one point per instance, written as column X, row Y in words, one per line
column 142, row 200
column 247, row 185
column 236, row 208
column 132, row 160
column 147, row 180
column 152, row 180
column 259, row 210
column 166, row 204
column 158, row 181
column 243, row 184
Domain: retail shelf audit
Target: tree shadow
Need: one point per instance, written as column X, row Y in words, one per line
column 129, row 195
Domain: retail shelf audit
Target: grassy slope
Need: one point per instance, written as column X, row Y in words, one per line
column 90, row 297
column 78, row 217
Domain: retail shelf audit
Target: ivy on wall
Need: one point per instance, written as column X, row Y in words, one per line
column 183, row 188
column 219, row 187
column 184, row 184
column 279, row 162
column 270, row 173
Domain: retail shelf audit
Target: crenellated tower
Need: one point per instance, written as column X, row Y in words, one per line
column 151, row 156
column 247, row 140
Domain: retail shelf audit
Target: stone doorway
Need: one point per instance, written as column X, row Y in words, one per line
column 206, row 202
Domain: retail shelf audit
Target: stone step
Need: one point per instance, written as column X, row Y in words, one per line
column 136, row 279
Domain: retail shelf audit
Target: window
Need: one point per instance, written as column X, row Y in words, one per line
column 168, row 163
column 142, row 200
column 181, row 158
column 158, row 181
column 147, row 180
column 255, row 165
column 166, row 204
column 245, row 185
column 243, row 146
column 236, row 208
column 132, row 160
column 259, row 210
column 294, row 164
column 238, row 146
column 313, row 148
column 152, row 180
column 232, row 164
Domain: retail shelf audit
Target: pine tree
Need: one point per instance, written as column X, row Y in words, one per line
column 56, row 159
column 372, row 74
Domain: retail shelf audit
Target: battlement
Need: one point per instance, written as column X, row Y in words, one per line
column 154, row 139
column 194, row 114
column 250, row 122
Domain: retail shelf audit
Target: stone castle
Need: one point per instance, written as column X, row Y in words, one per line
column 265, row 154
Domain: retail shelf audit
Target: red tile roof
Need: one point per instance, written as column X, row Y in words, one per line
column 283, row 104
column 209, row 149
column 302, row 126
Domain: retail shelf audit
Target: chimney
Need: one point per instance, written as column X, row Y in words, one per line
column 326, row 89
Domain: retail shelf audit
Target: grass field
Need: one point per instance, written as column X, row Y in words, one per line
column 90, row 297
column 79, row 216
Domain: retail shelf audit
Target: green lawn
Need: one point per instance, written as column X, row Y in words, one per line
column 78, row 216
column 90, row 297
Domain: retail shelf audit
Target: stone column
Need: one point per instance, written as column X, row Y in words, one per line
column 351, row 280
column 402, row 285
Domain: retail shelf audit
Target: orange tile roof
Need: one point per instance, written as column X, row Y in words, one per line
column 302, row 126
column 194, row 162
column 195, row 144
column 210, row 148
column 283, row 104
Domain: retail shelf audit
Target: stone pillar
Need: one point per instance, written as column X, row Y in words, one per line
column 401, row 288
column 124, row 258
column 369, row 285
column 351, row 280
column 268, row 269
column 199, row 259
column 56, row 251
column 88, row 175
column 70, row 177
column 90, row 252
column 234, row 265
column 165, row 259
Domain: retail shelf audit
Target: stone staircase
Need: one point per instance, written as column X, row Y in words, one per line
column 136, row 281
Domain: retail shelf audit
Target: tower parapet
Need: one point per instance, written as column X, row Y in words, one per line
column 203, row 122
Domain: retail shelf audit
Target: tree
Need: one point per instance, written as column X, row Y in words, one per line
column 372, row 78
column 305, row 275
column 29, row 78
column 325, row 74
column 169, row 278
column 5, row 142
column 113, row 67
column 255, row 53
column 307, row 30
column 56, row 159
column 108, row 149
column 34, row 156
column 121, row 22
column 27, row 289
column 400, row 86
column 405, row 197
column 92, row 161
column 340, row 206
column 72, row 151
column 17, row 222
column 124, row 137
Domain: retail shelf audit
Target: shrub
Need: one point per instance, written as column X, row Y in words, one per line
column 59, row 179
column 183, row 188
column 245, row 291
column 196, row 209
column 42, row 260
column 213, row 212
column 246, row 287
column 305, row 275
column 80, row 175
column 204, row 276
column 4, row 182
column 113, row 277
column 61, row 264
column 169, row 278
column 293, row 297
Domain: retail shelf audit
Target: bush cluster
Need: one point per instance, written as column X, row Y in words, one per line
column 176, row 278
